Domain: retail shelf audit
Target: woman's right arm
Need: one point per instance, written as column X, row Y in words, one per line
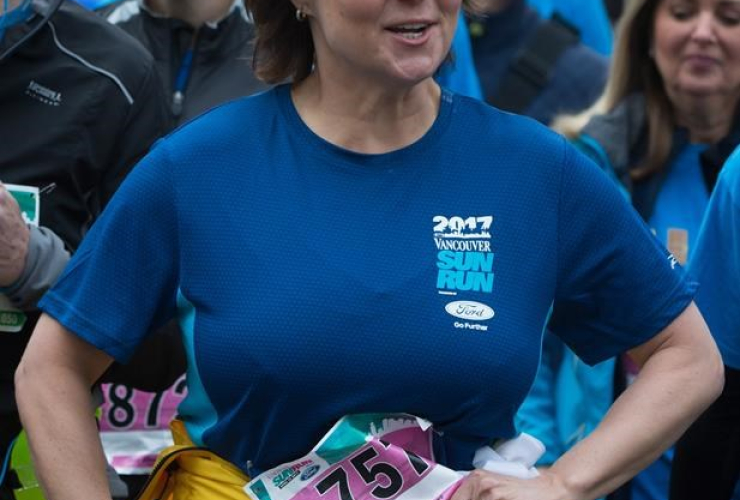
column 52, row 386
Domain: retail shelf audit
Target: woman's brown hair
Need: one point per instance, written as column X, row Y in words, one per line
column 633, row 70
column 283, row 46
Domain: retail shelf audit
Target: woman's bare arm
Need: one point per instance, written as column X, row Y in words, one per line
column 52, row 385
column 681, row 375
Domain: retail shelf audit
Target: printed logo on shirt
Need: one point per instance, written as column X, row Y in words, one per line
column 464, row 258
column 472, row 311
column 673, row 261
column 465, row 264
column 43, row 94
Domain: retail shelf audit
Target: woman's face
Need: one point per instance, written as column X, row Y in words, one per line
column 696, row 47
column 395, row 42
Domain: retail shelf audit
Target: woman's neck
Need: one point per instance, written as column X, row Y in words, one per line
column 708, row 119
column 194, row 12
column 363, row 120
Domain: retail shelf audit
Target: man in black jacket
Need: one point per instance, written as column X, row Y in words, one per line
column 81, row 103
column 202, row 49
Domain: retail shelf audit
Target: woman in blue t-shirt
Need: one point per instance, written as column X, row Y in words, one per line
column 363, row 241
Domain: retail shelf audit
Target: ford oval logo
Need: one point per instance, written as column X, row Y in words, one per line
column 473, row 311
column 310, row 472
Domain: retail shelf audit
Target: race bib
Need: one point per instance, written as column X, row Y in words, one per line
column 363, row 457
column 12, row 319
column 134, row 425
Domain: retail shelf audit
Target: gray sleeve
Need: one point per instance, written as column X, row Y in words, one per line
column 45, row 261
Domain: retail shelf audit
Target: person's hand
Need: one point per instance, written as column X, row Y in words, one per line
column 483, row 485
column 14, row 236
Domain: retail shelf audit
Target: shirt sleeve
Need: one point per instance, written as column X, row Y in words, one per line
column 716, row 263
column 617, row 286
column 122, row 282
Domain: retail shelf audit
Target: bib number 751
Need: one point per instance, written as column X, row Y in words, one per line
column 388, row 477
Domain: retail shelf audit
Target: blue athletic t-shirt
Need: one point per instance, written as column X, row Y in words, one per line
column 716, row 263
column 313, row 282
column 681, row 202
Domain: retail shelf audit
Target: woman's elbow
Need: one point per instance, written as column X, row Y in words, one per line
column 692, row 355
column 702, row 355
column 27, row 385
column 708, row 370
column 50, row 366
column 715, row 378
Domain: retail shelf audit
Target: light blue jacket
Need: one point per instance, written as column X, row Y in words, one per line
column 567, row 400
column 459, row 75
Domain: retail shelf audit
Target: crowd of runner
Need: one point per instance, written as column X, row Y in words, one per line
column 322, row 212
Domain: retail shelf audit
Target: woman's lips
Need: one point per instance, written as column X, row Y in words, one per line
column 701, row 60
column 412, row 33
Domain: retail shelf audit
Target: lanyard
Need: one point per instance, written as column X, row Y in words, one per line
column 16, row 16
column 183, row 75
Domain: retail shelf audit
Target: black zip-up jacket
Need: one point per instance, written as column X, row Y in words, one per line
column 80, row 103
column 221, row 69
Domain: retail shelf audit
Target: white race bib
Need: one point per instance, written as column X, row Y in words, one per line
column 363, row 457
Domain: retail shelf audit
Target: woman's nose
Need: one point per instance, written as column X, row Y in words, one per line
column 704, row 29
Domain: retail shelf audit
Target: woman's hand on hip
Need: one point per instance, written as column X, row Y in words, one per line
column 483, row 485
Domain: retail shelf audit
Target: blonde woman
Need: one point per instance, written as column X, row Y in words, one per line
column 667, row 120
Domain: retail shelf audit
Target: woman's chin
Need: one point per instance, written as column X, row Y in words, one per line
column 414, row 72
column 702, row 88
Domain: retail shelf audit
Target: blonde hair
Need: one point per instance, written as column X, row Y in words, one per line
column 633, row 70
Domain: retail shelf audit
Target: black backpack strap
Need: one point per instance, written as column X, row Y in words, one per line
column 531, row 69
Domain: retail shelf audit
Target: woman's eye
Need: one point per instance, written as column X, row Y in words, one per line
column 681, row 13
column 729, row 18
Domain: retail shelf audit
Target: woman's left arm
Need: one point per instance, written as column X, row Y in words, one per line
column 682, row 373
